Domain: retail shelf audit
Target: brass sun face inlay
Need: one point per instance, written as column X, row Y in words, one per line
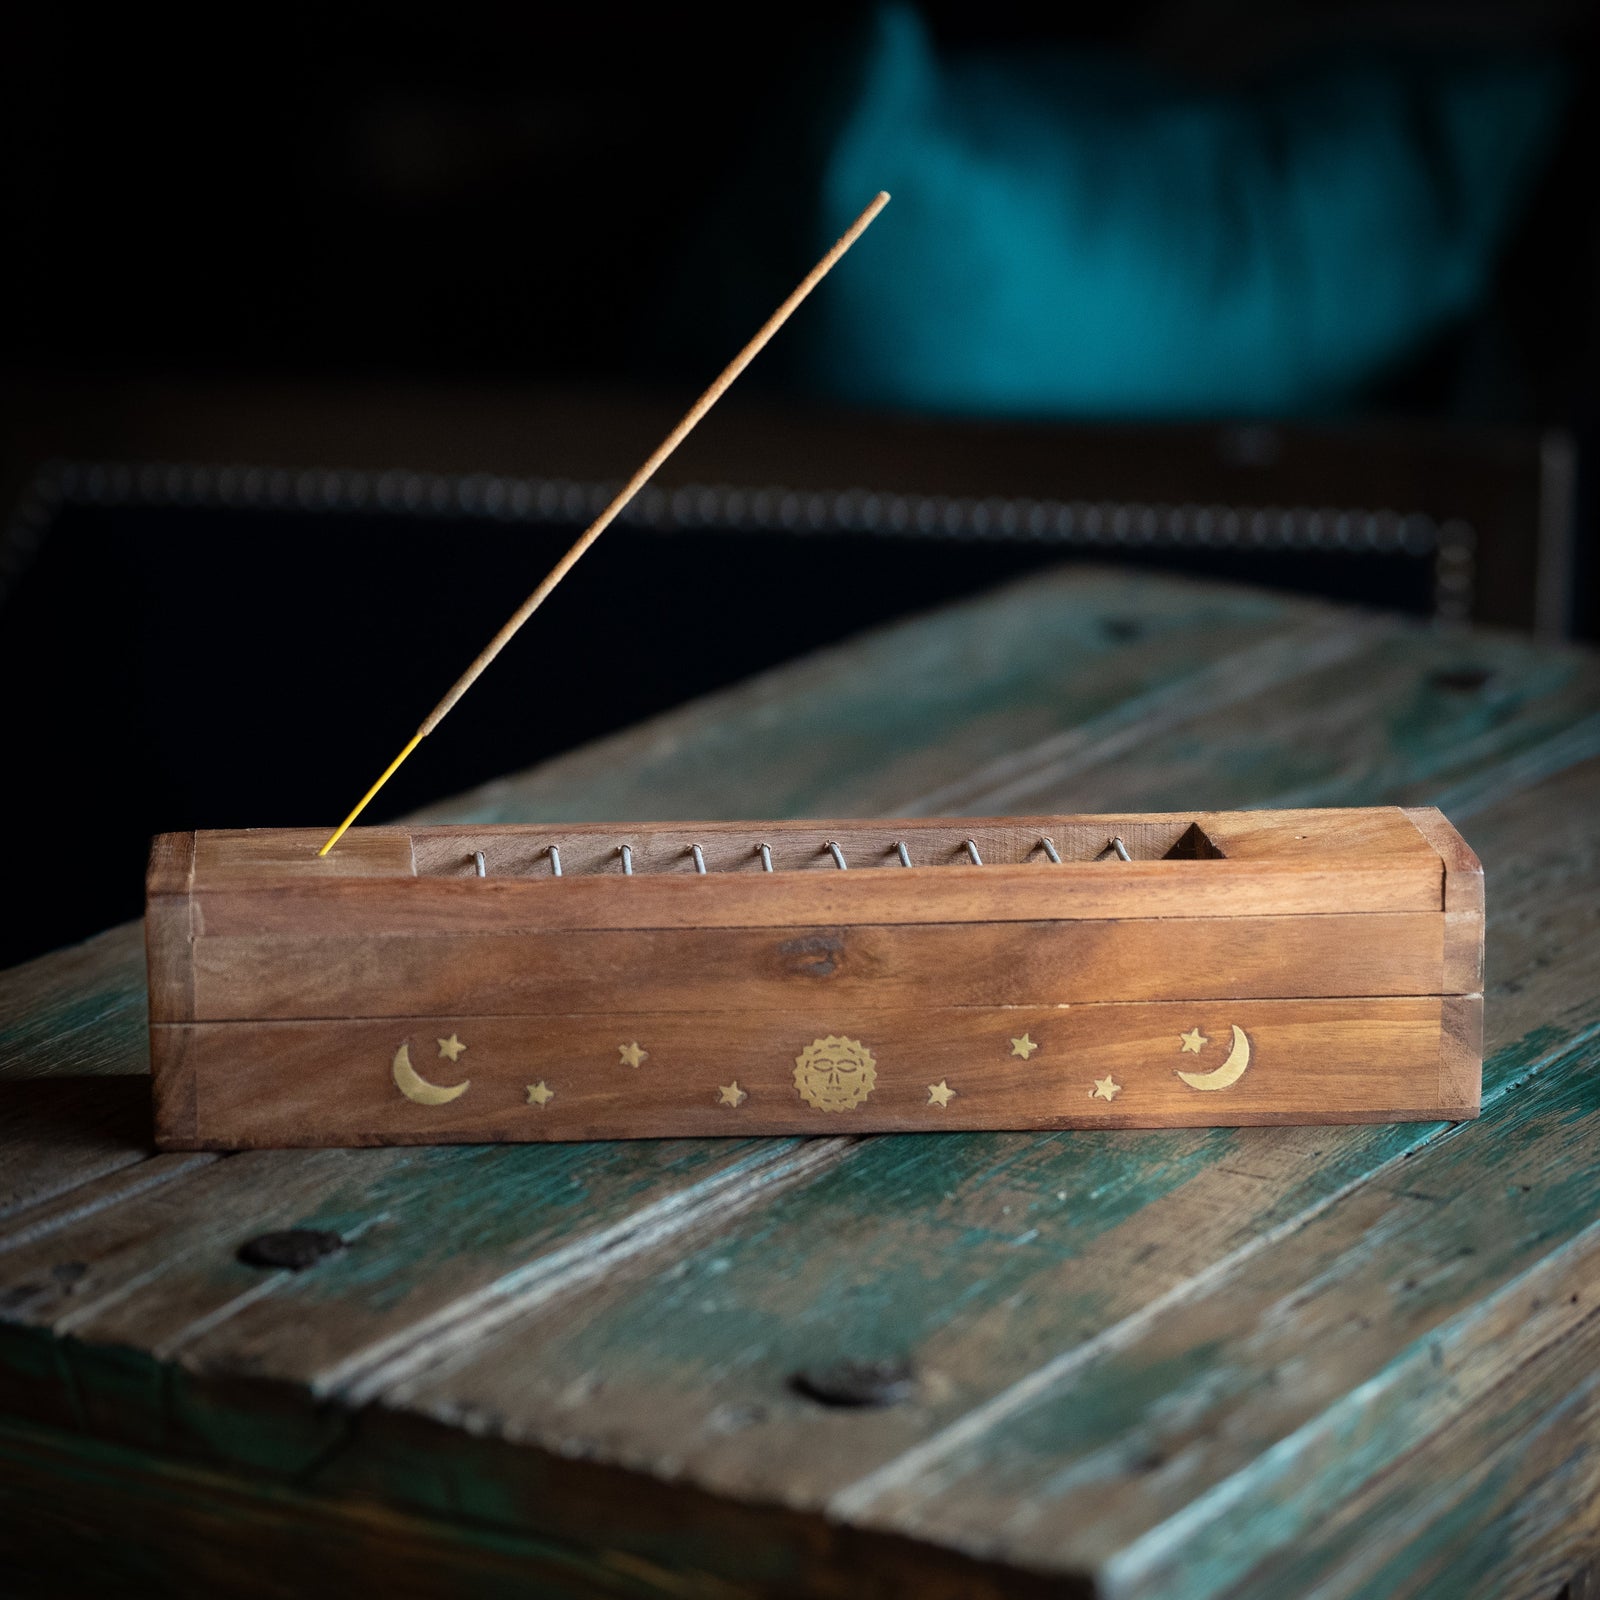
column 451, row 1048
column 630, row 1054
column 540, row 1094
column 1106, row 1088
column 1023, row 1047
column 940, row 1093
column 730, row 1094
column 835, row 1073
column 1191, row 1041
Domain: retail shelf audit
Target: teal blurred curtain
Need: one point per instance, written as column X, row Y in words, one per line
column 1081, row 234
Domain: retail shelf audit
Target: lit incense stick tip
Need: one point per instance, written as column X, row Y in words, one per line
column 366, row 799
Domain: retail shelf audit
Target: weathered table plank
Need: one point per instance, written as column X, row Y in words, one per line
column 158, row 1272
column 58, row 1133
column 77, row 1011
column 132, row 1521
column 526, row 1339
column 1354, row 1330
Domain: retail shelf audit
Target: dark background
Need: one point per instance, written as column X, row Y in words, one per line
column 504, row 193
column 448, row 242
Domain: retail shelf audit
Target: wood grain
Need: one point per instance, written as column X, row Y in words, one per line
column 285, row 976
column 79, row 1011
column 157, row 1270
column 1461, row 1055
column 223, row 856
column 58, row 1134
column 1463, row 900
column 307, row 1083
column 945, row 894
column 1396, row 1325
column 119, row 1522
column 1504, row 1499
column 169, row 926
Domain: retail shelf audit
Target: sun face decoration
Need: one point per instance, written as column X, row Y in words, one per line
column 835, row 1074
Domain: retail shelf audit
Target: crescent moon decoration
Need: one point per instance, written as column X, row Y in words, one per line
column 414, row 1086
column 1231, row 1070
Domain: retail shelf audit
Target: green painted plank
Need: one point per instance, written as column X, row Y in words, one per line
column 79, row 1011
column 1229, row 1425
column 1502, row 1502
column 1377, row 725
column 80, row 1516
column 58, row 1133
column 459, row 1229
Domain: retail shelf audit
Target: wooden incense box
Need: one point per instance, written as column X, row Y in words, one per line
column 422, row 985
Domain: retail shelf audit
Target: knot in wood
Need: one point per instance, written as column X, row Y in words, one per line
column 857, row 1383
column 816, row 955
column 290, row 1249
column 1460, row 680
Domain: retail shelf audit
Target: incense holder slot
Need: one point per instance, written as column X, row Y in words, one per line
column 625, row 850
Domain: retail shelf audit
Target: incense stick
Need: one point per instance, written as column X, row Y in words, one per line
column 634, row 484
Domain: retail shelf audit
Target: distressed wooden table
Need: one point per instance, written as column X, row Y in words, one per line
column 1264, row 1362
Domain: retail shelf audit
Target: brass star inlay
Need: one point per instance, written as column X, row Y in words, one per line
column 1106, row 1088
column 730, row 1094
column 451, row 1048
column 631, row 1054
column 1192, row 1040
column 540, row 1094
column 940, row 1093
column 1023, row 1047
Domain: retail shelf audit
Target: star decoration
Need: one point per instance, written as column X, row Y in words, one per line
column 1192, row 1040
column 730, row 1094
column 631, row 1054
column 1023, row 1047
column 540, row 1094
column 940, row 1093
column 451, row 1048
column 1106, row 1088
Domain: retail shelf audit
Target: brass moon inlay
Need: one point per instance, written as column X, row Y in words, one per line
column 414, row 1086
column 835, row 1073
column 1231, row 1070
